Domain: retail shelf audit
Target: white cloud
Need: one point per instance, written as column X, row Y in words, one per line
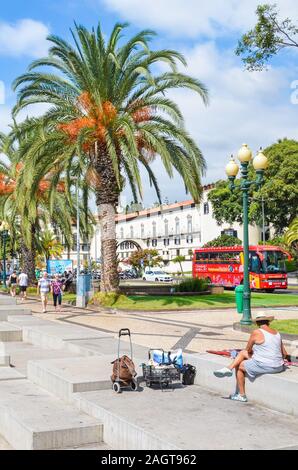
column 193, row 17
column 244, row 107
column 24, row 38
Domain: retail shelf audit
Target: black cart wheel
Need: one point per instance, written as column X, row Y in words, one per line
column 134, row 385
column 116, row 387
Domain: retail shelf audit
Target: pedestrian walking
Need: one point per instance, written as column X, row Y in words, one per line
column 43, row 287
column 13, row 280
column 57, row 286
column 23, row 283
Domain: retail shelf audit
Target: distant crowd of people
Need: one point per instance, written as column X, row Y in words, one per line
column 56, row 286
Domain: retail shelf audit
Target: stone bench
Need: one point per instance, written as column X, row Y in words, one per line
column 275, row 391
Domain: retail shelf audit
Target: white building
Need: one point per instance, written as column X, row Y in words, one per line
column 174, row 229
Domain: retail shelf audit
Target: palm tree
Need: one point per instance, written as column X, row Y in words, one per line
column 110, row 109
column 49, row 246
column 29, row 208
column 179, row 259
column 291, row 235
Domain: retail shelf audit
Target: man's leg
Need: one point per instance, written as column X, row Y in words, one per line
column 242, row 356
column 240, row 377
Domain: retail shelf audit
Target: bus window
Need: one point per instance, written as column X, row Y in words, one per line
column 274, row 262
column 202, row 257
column 254, row 263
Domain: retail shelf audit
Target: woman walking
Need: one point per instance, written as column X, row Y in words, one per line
column 13, row 280
column 57, row 289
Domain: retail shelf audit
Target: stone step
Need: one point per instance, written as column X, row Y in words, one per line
column 268, row 390
column 66, row 376
column 20, row 353
column 7, row 300
column 7, row 310
column 186, row 418
column 4, row 360
column 106, row 346
column 54, row 335
column 30, row 418
column 9, row 332
column 9, row 373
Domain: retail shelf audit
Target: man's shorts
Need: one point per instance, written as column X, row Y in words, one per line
column 254, row 368
column 44, row 296
column 23, row 288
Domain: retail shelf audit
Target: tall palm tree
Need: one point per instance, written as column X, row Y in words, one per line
column 30, row 207
column 109, row 106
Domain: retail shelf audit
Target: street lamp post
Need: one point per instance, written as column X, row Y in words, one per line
column 4, row 234
column 260, row 164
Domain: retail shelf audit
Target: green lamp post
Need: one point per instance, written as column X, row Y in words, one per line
column 260, row 164
column 4, row 234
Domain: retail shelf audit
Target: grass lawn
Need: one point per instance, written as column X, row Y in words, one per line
column 225, row 300
column 286, row 326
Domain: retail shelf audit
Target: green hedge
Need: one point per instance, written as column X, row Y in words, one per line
column 194, row 284
column 291, row 265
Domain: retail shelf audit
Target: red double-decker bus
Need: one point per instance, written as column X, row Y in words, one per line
column 223, row 266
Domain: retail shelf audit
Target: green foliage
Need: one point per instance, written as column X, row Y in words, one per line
column 107, row 299
column 292, row 265
column 291, row 235
column 279, row 191
column 224, row 240
column 148, row 256
column 194, row 284
column 267, row 38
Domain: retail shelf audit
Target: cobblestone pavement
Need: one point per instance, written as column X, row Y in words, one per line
column 193, row 331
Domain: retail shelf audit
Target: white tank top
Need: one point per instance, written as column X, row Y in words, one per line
column 269, row 353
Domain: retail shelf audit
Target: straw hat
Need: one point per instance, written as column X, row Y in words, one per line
column 262, row 318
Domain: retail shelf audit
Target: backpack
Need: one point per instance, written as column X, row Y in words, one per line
column 188, row 374
column 126, row 369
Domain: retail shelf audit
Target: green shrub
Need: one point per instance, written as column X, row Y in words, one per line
column 32, row 290
column 193, row 284
column 106, row 299
column 291, row 265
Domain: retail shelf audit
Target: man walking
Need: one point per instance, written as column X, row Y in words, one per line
column 43, row 287
column 23, row 283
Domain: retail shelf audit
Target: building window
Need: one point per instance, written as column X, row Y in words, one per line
column 177, row 252
column 166, row 228
column 230, row 232
column 131, row 231
column 177, row 226
column 189, row 224
column 177, row 240
column 154, row 242
column 153, row 229
column 206, row 208
column 142, row 231
column 148, row 243
column 166, row 241
column 189, row 239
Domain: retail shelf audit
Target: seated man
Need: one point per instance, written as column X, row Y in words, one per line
column 264, row 354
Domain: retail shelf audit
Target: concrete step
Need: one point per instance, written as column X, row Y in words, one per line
column 9, row 332
column 268, row 390
column 20, row 353
column 7, row 300
column 106, row 346
column 66, row 376
column 52, row 334
column 7, row 310
column 186, row 418
column 30, row 418
column 9, row 373
column 4, row 360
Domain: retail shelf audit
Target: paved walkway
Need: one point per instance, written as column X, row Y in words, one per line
column 193, row 331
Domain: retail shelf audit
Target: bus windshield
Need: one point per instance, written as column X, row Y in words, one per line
column 274, row 262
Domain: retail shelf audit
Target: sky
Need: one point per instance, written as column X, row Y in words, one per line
column 252, row 107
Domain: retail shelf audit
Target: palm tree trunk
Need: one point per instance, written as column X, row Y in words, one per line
column 28, row 262
column 107, row 196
